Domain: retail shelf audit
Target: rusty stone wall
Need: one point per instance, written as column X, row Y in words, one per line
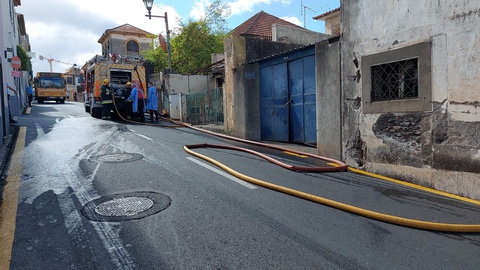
column 403, row 133
column 427, row 140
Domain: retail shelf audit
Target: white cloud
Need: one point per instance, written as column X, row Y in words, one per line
column 293, row 20
column 68, row 30
column 242, row 6
column 198, row 9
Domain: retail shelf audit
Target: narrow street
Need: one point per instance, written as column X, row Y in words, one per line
column 95, row 194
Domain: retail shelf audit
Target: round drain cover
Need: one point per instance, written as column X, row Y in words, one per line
column 117, row 157
column 126, row 206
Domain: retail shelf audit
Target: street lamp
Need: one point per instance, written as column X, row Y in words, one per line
column 74, row 72
column 148, row 5
column 75, row 80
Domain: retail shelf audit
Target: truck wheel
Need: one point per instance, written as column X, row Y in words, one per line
column 97, row 112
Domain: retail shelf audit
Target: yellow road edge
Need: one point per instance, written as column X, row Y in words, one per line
column 408, row 184
column 8, row 210
column 295, row 154
column 400, row 182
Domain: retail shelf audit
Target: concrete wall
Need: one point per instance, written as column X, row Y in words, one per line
column 289, row 34
column 438, row 146
column 328, row 92
column 247, row 106
column 233, row 54
column 178, row 83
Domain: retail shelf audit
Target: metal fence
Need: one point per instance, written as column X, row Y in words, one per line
column 205, row 107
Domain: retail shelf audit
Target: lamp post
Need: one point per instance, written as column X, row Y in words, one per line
column 75, row 74
column 148, row 5
column 75, row 94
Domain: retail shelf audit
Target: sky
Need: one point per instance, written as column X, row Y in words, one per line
column 68, row 30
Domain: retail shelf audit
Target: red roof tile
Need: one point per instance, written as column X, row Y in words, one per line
column 260, row 24
column 321, row 16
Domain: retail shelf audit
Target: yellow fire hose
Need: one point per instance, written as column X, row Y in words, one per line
column 412, row 223
column 406, row 222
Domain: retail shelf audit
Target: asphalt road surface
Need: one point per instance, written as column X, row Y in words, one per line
column 95, row 194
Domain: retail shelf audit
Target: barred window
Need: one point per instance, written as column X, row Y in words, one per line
column 395, row 81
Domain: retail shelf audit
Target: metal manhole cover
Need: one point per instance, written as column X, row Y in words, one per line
column 126, row 206
column 117, row 157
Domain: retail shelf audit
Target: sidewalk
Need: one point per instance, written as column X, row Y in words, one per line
column 6, row 151
column 5, row 154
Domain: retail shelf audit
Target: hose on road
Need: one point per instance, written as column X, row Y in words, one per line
column 337, row 166
column 406, row 222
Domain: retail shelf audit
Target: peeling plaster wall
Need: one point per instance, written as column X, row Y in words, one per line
column 439, row 147
column 234, row 53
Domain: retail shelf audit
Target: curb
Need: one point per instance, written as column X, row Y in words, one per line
column 5, row 154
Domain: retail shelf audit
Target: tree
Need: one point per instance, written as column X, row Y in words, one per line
column 194, row 41
column 158, row 57
column 193, row 47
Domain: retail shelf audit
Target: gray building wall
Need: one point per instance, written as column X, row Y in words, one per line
column 329, row 113
column 118, row 45
column 436, row 144
column 247, row 107
column 288, row 34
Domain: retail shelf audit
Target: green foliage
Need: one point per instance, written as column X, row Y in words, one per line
column 26, row 63
column 193, row 47
column 194, row 41
column 157, row 57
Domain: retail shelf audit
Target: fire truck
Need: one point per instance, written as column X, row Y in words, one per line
column 118, row 73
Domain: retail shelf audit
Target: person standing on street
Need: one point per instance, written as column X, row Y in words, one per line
column 152, row 104
column 30, row 95
column 138, row 105
column 128, row 104
column 107, row 101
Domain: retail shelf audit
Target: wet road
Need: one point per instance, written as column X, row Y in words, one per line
column 99, row 194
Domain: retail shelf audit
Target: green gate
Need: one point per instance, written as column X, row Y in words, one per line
column 205, row 107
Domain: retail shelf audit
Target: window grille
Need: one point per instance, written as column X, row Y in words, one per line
column 395, row 81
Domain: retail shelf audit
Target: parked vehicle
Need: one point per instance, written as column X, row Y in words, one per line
column 50, row 86
column 98, row 69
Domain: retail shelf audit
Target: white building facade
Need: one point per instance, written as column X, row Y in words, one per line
column 410, row 77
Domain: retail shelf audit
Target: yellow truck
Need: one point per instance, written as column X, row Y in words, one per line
column 50, row 86
column 98, row 69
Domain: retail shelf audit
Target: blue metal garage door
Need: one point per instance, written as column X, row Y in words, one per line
column 274, row 102
column 288, row 98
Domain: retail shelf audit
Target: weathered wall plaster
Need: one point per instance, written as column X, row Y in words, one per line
column 437, row 147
